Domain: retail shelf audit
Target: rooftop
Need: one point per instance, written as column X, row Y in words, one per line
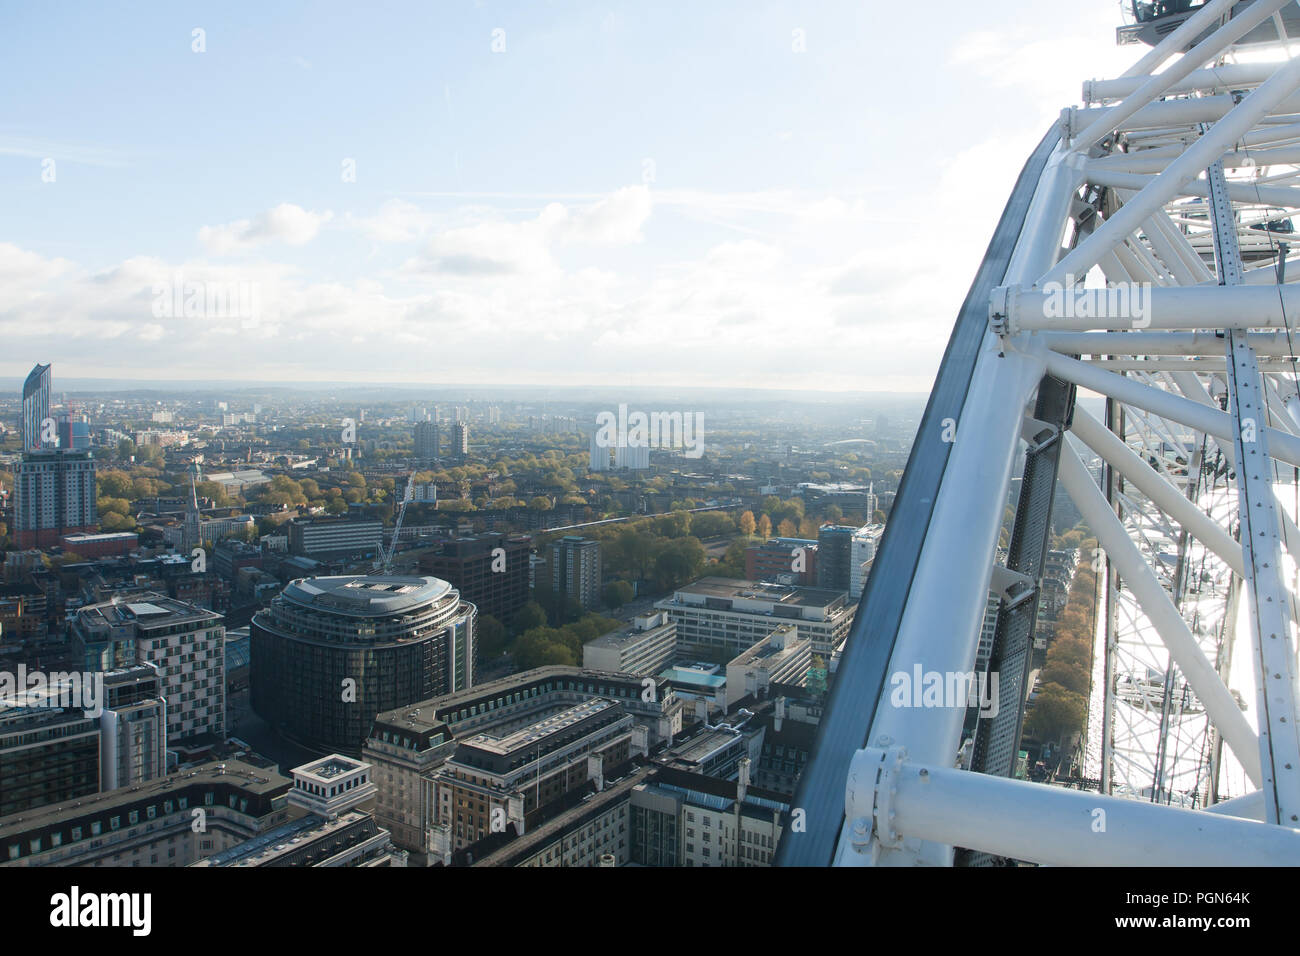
column 628, row 634
column 782, row 641
column 419, row 717
column 283, row 839
column 232, row 771
column 525, row 737
column 327, row 768
column 153, row 609
column 364, row 595
column 788, row 594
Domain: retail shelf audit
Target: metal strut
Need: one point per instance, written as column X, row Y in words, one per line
column 1261, row 539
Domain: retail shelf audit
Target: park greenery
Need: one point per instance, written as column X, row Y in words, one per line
column 1060, row 707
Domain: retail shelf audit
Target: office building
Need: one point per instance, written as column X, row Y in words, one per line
column 492, row 782
column 865, row 541
column 186, row 644
column 54, row 494
column 646, row 646
column 789, row 736
column 783, row 561
column 409, row 745
column 489, row 570
column 426, row 441
column 330, row 653
column 593, row 833
column 53, row 748
column 719, row 618
column 335, row 828
column 91, row 546
column 685, row 819
column 783, row 658
column 575, row 569
column 335, row 537
column 175, row 821
column 36, row 409
column 48, row 754
column 834, row 554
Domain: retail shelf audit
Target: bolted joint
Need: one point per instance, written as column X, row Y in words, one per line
column 870, row 795
column 1001, row 301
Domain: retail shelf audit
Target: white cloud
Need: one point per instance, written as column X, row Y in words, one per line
column 499, row 247
column 396, row 221
column 285, row 223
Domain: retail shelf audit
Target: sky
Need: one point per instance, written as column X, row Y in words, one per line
column 747, row 194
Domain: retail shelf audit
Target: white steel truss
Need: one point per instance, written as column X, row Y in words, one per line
column 1152, row 268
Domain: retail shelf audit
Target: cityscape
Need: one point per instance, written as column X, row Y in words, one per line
column 540, row 436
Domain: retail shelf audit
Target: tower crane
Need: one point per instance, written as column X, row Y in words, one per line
column 384, row 559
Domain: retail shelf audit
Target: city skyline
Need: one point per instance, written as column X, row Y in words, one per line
column 722, row 193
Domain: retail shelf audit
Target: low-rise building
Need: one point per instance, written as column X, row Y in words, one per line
column 782, row 658
column 646, row 646
column 783, row 561
column 175, row 821
column 718, row 618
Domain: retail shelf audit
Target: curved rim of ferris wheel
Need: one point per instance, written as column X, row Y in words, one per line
column 1124, row 214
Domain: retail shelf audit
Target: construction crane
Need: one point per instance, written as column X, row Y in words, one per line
column 384, row 559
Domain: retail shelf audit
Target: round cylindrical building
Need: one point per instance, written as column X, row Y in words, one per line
column 330, row 653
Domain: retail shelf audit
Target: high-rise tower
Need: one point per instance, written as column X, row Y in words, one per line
column 36, row 408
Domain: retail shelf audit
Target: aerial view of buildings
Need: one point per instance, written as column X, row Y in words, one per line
column 502, row 435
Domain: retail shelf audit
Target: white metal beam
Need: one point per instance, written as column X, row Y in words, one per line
column 1182, row 170
column 1173, row 630
column 898, row 799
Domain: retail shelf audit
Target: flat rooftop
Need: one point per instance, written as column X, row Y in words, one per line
column 283, row 839
column 419, row 717
column 693, row 677
column 526, row 737
column 788, row 594
column 628, row 635
column 256, row 780
column 148, row 609
column 327, row 768
column 765, row 650
column 705, row 745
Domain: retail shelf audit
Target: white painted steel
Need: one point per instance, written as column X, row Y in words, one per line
column 1173, row 630
column 1056, row 826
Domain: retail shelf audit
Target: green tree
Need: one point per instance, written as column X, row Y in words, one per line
column 618, row 593
column 679, row 562
column 112, row 521
column 491, row 636
column 530, row 616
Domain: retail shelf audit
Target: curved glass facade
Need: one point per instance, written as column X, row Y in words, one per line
column 331, row 653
